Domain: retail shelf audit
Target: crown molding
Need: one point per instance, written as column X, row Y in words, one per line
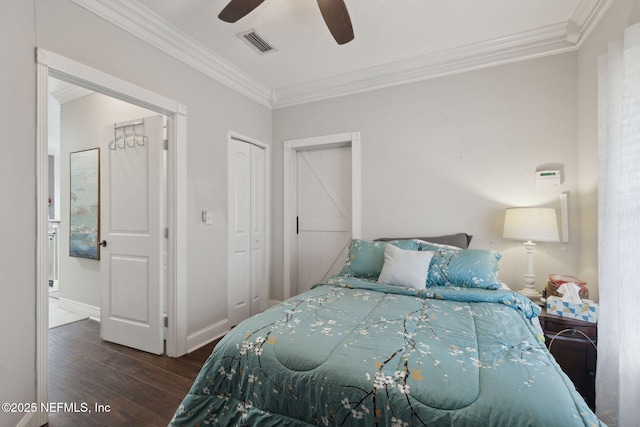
column 587, row 15
column 540, row 42
column 549, row 40
column 149, row 27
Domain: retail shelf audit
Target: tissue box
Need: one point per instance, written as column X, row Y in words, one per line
column 587, row 310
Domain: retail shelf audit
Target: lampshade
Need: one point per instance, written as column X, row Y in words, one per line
column 534, row 224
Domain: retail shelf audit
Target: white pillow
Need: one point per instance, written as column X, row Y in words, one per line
column 405, row 267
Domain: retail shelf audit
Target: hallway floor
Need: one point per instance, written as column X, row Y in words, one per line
column 59, row 316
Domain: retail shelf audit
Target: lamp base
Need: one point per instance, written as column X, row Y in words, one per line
column 532, row 294
column 529, row 289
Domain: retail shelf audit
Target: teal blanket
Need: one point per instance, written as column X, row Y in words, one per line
column 354, row 352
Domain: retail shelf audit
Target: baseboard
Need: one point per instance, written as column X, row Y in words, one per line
column 81, row 308
column 205, row 335
column 273, row 302
column 30, row 419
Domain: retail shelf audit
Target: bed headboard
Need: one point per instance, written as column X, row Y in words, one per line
column 460, row 240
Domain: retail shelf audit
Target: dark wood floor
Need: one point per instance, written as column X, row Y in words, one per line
column 134, row 388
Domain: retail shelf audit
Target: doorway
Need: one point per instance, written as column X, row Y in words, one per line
column 305, row 163
column 54, row 65
column 82, row 122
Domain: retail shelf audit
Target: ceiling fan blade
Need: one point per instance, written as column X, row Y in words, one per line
column 237, row 9
column 336, row 16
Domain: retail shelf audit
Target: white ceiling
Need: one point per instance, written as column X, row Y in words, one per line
column 395, row 41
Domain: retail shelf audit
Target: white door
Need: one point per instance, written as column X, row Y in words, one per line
column 246, row 230
column 323, row 213
column 257, row 228
column 132, row 224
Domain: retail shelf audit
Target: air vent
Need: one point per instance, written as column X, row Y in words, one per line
column 256, row 41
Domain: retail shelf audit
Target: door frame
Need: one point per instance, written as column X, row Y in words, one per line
column 290, row 148
column 51, row 64
column 234, row 136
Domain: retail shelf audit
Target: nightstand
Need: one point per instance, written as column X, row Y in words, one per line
column 572, row 343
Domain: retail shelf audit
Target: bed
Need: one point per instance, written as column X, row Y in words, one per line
column 446, row 346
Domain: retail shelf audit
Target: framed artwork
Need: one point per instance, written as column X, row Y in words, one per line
column 84, row 224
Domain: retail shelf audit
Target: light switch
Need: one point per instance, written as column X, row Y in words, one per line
column 207, row 217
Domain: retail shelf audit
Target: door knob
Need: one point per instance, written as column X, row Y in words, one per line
column 103, row 243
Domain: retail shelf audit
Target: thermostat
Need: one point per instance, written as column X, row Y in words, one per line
column 547, row 178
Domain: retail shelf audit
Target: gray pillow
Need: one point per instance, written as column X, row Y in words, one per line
column 460, row 240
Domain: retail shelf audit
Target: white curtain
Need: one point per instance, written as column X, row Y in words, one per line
column 618, row 370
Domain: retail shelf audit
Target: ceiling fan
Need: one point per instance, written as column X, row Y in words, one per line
column 334, row 12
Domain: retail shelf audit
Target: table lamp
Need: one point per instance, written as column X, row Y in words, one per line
column 531, row 225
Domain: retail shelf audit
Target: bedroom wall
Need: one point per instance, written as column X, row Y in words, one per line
column 81, row 121
column 65, row 28
column 450, row 154
column 17, row 216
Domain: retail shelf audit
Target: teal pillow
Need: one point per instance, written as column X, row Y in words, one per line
column 469, row 268
column 366, row 258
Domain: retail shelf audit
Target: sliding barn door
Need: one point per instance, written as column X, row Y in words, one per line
column 132, row 224
column 323, row 213
column 246, row 230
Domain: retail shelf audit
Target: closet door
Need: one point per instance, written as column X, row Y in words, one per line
column 257, row 228
column 246, row 230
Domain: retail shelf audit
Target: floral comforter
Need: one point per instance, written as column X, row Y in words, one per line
column 354, row 352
